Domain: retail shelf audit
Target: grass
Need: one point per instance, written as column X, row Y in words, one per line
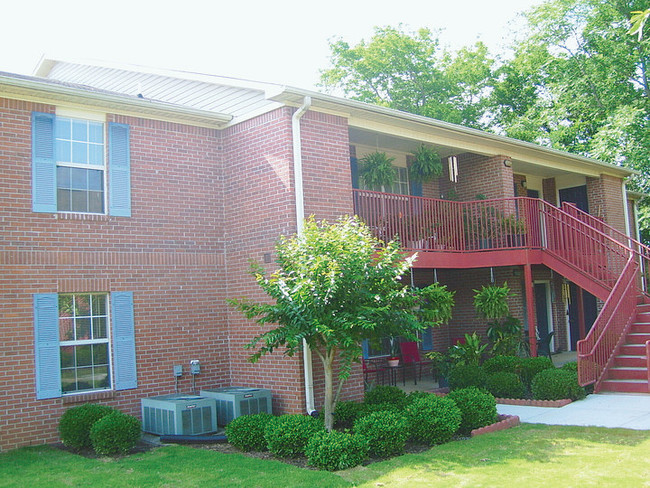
column 529, row 455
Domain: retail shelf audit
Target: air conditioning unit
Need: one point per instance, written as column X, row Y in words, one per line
column 179, row 415
column 233, row 402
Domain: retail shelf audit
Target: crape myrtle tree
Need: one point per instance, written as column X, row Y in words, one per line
column 336, row 285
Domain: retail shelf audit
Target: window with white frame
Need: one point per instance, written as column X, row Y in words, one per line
column 80, row 165
column 84, row 342
column 400, row 185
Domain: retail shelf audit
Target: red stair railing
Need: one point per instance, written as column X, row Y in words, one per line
column 596, row 351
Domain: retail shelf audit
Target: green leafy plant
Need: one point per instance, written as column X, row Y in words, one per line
column 246, row 432
column 507, row 337
column 529, row 367
column 466, row 375
column 433, row 419
column 376, row 170
column 478, row 408
column 346, row 413
column 469, row 352
column 336, row 450
column 436, row 303
column 440, row 364
column 288, row 435
column 556, row 384
column 504, row 384
column 426, row 164
column 510, row 364
column 385, row 394
column 76, row 422
column 386, row 432
column 115, row 433
column 491, row 302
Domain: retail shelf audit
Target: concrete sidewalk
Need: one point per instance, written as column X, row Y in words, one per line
column 625, row 410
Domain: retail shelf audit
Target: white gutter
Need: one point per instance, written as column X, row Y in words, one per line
column 626, row 210
column 300, row 222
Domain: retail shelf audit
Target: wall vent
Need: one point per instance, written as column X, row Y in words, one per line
column 179, row 415
column 234, row 401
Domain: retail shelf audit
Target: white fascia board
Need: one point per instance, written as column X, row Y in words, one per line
column 394, row 122
column 51, row 93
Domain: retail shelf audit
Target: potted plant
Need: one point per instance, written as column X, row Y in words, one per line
column 376, row 170
column 514, row 229
column 393, row 359
column 426, row 164
column 440, row 366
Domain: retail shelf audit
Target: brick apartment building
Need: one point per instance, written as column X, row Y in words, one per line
column 133, row 201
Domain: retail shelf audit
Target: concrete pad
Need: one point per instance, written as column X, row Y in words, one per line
column 630, row 411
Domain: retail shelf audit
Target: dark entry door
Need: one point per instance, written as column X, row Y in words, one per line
column 541, row 311
column 590, row 309
column 576, row 195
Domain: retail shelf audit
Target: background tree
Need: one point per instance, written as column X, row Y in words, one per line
column 410, row 71
column 337, row 285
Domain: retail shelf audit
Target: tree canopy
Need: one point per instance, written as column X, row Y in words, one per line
column 335, row 286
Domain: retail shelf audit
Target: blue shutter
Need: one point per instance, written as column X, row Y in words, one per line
column 416, row 188
column 427, row 339
column 125, row 376
column 43, row 163
column 365, row 348
column 119, row 170
column 46, row 345
column 354, row 170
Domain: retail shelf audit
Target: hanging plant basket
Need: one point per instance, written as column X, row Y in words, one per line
column 426, row 164
column 376, row 170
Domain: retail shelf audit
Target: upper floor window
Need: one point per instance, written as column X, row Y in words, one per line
column 80, row 166
column 80, row 172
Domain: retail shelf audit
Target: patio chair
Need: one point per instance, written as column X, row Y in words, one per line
column 544, row 346
column 372, row 367
column 411, row 357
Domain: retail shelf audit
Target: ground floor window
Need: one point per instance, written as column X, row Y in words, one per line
column 84, row 341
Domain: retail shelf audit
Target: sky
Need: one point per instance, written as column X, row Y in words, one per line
column 281, row 41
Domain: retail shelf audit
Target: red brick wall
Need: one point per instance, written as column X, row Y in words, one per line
column 549, row 191
column 170, row 253
column 605, row 195
column 482, row 175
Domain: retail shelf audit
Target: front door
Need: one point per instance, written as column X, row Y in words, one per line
column 589, row 309
column 576, row 195
column 542, row 312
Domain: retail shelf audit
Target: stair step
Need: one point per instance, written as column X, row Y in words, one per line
column 623, row 360
column 638, row 338
column 631, row 373
column 642, row 317
column 628, row 386
column 633, row 349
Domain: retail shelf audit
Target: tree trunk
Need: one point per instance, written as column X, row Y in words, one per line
column 328, row 359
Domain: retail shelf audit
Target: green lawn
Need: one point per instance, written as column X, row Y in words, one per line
column 530, row 455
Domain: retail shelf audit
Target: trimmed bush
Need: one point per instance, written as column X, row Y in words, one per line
column 477, row 408
column 75, row 424
column 570, row 366
column 116, row 433
column 496, row 364
column 345, row 413
column 385, row 394
column 414, row 395
column 556, row 384
column 386, row 432
column 380, row 407
column 247, row 432
column 466, row 375
column 531, row 366
column 288, row 435
column 336, row 450
column 504, row 384
column 433, row 420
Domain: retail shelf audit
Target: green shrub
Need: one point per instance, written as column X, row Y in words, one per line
column 115, row 433
column 247, row 432
column 288, row 435
column 75, row 424
column 505, row 385
column 433, row 420
column 386, row 432
column 477, row 408
column 385, row 394
column 380, row 407
column 414, row 395
column 496, row 364
column 466, row 375
column 556, row 384
column 531, row 366
column 570, row 366
column 345, row 413
column 336, row 450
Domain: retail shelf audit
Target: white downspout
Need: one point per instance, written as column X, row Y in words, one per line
column 626, row 211
column 300, row 218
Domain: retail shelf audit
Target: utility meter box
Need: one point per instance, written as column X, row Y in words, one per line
column 179, row 414
column 235, row 401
